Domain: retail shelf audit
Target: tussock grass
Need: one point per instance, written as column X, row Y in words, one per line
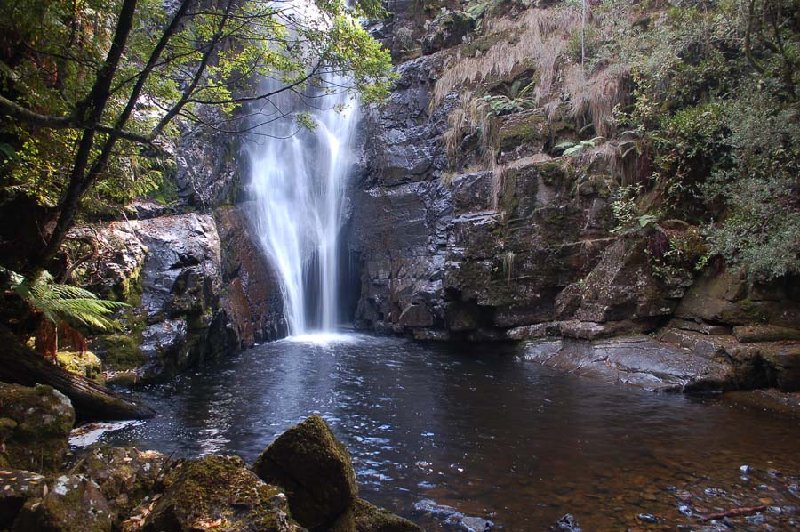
column 593, row 98
column 537, row 39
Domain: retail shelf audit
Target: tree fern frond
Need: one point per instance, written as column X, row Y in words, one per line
column 61, row 302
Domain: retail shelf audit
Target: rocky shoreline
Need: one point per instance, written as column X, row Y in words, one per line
column 303, row 480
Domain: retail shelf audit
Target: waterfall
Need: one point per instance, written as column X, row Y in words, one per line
column 297, row 182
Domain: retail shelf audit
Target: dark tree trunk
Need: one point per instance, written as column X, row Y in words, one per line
column 92, row 402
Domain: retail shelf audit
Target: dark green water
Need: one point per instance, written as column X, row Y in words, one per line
column 477, row 429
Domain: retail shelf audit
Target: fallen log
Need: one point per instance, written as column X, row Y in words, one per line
column 92, row 402
column 734, row 512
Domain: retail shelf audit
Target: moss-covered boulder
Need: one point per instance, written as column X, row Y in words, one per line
column 214, row 492
column 34, row 427
column 125, row 475
column 365, row 517
column 85, row 364
column 73, row 504
column 314, row 468
column 17, row 488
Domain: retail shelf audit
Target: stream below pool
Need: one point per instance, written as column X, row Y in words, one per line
column 449, row 435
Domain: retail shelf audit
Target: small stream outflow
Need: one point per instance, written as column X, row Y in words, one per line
column 298, row 179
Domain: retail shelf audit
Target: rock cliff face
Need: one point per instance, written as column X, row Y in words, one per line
column 466, row 252
column 198, row 285
column 480, row 222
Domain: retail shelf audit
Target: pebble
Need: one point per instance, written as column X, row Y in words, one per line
column 647, row 518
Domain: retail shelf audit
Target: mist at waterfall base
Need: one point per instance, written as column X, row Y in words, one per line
column 298, row 180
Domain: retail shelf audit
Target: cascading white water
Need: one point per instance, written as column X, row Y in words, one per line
column 298, row 181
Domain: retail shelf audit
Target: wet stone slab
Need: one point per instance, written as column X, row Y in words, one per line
column 636, row 360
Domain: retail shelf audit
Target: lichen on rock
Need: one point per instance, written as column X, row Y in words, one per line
column 34, row 425
column 213, row 492
column 74, row 504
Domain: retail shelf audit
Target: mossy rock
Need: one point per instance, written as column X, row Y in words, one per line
column 125, row 475
column 34, row 424
column 219, row 493
column 85, row 364
column 529, row 127
column 555, row 172
column 314, row 469
column 121, row 351
column 74, row 504
column 365, row 517
column 18, row 487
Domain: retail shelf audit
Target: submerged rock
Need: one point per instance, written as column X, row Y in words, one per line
column 567, row 523
column 214, row 492
column 34, row 427
column 452, row 517
column 314, row 468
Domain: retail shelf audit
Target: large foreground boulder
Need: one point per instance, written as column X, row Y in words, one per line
column 34, row 426
column 214, row 492
column 314, row 468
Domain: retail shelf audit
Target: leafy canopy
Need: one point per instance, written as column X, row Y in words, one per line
column 91, row 90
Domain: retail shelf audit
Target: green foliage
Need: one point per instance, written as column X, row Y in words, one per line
column 688, row 145
column 676, row 255
column 573, row 149
column 52, row 52
column 518, row 98
column 715, row 97
column 60, row 302
column 760, row 230
column 624, row 207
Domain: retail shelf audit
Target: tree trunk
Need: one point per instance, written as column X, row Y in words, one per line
column 92, row 402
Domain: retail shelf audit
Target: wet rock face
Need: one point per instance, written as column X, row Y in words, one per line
column 446, row 253
column 199, row 287
column 402, row 139
column 207, row 173
column 34, row 426
column 215, row 492
column 314, row 468
column 181, row 285
column 251, row 294
column 447, row 256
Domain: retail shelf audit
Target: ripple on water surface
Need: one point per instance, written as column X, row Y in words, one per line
column 478, row 432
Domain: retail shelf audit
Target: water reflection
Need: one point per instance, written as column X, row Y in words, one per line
column 470, row 427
